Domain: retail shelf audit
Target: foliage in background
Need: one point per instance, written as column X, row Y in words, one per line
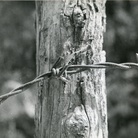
column 17, row 41
column 121, row 40
column 17, row 65
column 17, row 62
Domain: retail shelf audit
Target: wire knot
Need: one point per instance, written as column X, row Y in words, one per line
column 55, row 71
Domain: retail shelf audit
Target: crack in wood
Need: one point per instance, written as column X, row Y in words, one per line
column 83, row 100
column 74, row 24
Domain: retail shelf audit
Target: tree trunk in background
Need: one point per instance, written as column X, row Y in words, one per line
column 78, row 108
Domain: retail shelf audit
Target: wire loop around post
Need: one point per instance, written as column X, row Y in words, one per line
column 67, row 69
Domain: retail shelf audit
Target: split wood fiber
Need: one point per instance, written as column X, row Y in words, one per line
column 76, row 109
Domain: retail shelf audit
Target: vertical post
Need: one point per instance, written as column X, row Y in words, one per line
column 76, row 109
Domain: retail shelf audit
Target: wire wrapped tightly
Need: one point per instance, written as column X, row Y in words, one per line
column 70, row 69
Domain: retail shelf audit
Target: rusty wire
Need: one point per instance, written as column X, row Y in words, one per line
column 69, row 69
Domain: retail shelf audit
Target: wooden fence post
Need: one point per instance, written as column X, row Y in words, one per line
column 77, row 108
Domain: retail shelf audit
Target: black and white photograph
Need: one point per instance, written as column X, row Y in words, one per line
column 68, row 69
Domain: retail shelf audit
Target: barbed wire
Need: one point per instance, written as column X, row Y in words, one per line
column 69, row 69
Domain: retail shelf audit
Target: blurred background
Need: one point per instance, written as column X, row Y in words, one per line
column 17, row 66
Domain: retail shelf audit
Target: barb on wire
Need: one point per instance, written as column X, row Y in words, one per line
column 70, row 69
column 57, row 62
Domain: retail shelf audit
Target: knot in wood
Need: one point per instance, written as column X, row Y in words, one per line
column 77, row 124
column 79, row 17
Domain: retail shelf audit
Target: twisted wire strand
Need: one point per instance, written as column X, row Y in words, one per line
column 132, row 65
column 19, row 89
column 113, row 65
column 101, row 65
column 60, row 71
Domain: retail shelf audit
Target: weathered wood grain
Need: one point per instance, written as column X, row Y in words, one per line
column 76, row 109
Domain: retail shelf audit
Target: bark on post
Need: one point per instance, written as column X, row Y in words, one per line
column 76, row 109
